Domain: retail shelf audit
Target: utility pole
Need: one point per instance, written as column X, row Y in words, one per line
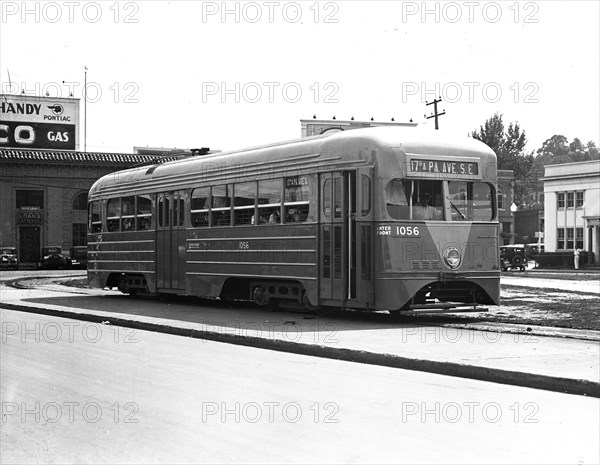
column 435, row 113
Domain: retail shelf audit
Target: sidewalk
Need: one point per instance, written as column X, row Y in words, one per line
column 542, row 362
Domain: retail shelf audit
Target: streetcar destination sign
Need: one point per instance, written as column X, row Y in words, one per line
column 444, row 167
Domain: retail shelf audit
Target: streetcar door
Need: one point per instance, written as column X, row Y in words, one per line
column 170, row 241
column 364, row 238
column 338, row 241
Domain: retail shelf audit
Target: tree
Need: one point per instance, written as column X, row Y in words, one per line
column 555, row 149
column 509, row 147
column 592, row 150
column 491, row 133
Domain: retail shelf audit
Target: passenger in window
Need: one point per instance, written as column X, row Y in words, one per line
column 143, row 224
column 425, row 211
column 274, row 217
column 261, row 219
column 296, row 215
column 128, row 224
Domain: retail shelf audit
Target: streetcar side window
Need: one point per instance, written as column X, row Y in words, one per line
column 269, row 202
column 396, row 199
column 243, row 202
column 163, row 209
column 143, row 212
column 482, row 202
column 128, row 213
column 327, row 198
column 113, row 214
column 95, row 217
column 365, row 195
column 296, row 199
column 221, row 205
column 200, row 203
column 178, row 209
column 337, row 197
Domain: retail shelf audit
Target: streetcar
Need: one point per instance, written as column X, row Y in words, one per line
column 388, row 218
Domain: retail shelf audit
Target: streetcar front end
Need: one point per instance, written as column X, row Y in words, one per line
column 437, row 236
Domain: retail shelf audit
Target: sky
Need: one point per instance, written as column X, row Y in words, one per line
column 229, row 75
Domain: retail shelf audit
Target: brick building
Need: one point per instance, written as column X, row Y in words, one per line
column 44, row 196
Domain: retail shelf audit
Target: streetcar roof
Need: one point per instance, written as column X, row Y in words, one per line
column 302, row 154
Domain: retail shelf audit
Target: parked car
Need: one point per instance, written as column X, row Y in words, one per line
column 79, row 257
column 53, row 259
column 513, row 256
column 8, row 258
column 533, row 248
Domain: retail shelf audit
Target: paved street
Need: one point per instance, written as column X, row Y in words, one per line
column 96, row 394
column 480, row 348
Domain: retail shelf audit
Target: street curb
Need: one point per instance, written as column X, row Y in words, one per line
column 548, row 383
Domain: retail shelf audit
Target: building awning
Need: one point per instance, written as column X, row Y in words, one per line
column 592, row 221
column 63, row 156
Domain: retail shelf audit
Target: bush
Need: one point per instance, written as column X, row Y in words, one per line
column 561, row 259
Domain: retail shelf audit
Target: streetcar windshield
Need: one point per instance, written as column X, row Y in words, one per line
column 415, row 200
column 470, row 201
column 438, row 200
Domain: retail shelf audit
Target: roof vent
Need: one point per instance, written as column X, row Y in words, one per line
column 200, row 151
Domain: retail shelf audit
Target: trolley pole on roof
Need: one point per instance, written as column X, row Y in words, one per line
column 435, row 113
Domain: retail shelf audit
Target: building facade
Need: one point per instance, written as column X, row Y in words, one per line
column 572, row 207
column 506, row 218
column 315, row 127
column 44, row 196
column 529, row 225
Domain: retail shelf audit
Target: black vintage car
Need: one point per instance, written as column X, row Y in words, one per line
column 79, row 257
column 8, row 258
column 53, row 259
column 513, row 256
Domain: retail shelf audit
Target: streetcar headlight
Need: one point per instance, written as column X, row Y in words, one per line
column 452, row 257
